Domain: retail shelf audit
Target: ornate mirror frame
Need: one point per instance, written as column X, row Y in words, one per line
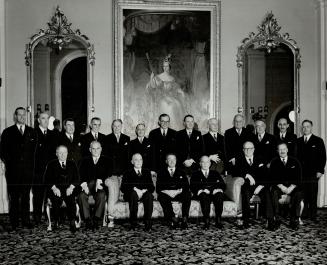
column 268, row 38
column 59, row 34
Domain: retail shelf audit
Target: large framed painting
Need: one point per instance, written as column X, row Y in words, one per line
column 167, row 60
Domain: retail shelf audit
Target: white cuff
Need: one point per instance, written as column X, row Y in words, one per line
column 84, row 185
column 53, row 187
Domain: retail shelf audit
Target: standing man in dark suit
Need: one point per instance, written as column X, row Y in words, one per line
column 163, row 142
column 311, row 153
column 208, row 186
column 94, row 170
column 117, row 146
column 173, row 185
column 252, row 169
column 45, row 152
column 141, row 145
column 18, row 144
column 286, row 137
column 137, row 186
column 214, row 146
column 61, row 176
column 285, row 172
column 235, row 137
column 189, row 146
column 71, row 140
column 93, row 135
column 265, row 143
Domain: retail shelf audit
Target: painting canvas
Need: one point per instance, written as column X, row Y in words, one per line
column 166, row 65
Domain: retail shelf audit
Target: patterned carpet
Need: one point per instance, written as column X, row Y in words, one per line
column 118, row 245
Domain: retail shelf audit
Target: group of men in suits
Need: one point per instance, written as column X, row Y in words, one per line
column 68, row 165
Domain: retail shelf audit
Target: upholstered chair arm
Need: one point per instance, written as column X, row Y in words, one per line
column 113, row 188
column 233, row 189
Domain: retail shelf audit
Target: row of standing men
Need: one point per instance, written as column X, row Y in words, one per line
column 26, row 152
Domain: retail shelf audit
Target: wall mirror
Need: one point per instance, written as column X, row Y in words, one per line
column 60, row 67
column 268, row 76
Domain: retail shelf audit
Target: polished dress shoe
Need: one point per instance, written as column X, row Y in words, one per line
column 294, row 224
column 27, row 225
column 184, row 224
column 72, row 226
column 206, row 224
column 88, row 224
column 147, row 226
column 271, row 225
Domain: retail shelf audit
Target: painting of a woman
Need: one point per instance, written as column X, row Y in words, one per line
column 166, row 95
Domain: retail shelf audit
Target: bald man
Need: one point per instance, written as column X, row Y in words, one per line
column 137, row 186
column 62, row 178
column 285, row 136
column 208, row 186
column 214, row 146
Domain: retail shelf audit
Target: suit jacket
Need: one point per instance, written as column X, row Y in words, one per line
column 266, row 148
column 257, row 170
column 89, row 171
column 18, row 153
column 87, row 138
column 45, row 152
column 189, row 147
column 290, row 140
column 131, row 180
column 74, row 148
column 175, row 182
column 161, row 146
column 312, row 156
column 285, row 174
column 234, row 142
column 200, row 182
column 60, row 177
column 144, row 149
column 118, row 152
column 212, row 147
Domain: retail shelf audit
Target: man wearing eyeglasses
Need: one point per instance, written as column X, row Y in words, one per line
column 252, row 169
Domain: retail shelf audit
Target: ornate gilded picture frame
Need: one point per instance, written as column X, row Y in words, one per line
column 167, row 60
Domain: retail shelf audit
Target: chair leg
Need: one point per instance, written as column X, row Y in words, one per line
column 301, row 211
column 105, row 215
column 78, row 214
column 48, row 215
column 257, row 206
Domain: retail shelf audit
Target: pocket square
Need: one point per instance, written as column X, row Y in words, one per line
column 267, row 142
column 260, row 165
column 148, row 145
column 313, row 146
column 293, row 167
column 126, row 143
column 197, row 138
column 181, row 177
column 79, row 144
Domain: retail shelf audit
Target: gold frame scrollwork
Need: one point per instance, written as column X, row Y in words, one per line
column 268, row 38
column 58, row 27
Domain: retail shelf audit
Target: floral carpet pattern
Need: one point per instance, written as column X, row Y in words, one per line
column 119, row 245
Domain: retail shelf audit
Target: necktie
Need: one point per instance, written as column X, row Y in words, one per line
column 96, row 136
column 284, row 161
column 305, row 140
column 282, row 137
column 189, row 134
column 260, row 137
column 164, row 133
column 250, row 161
column 63, row 165
column 45, row 132
column 117, row 136
column 141, row 140
column 139, row 172
column 21, row 130
column 70, row 138
column 215, row 137
column 239, row 132
column 206, row 173
column 171, row 172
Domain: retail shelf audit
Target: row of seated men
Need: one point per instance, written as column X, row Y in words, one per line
column 21, row 146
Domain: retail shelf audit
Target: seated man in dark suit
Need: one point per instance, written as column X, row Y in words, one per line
column 137, row 186
column 141, row 145
column 208, row 186
column 189, row 146
column 71, row 139
column 311, row 152
column 94, row 170
column 264, row 143
column 173, row 185
column 214, row 146
column 93, row 135
column 61, row 176
column 253, row 170
column 285, row 172
column 117, row 147
column 286, row 137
